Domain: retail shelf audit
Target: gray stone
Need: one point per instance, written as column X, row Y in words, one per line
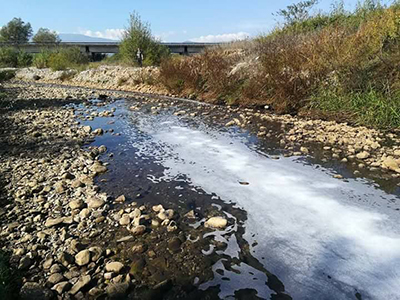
column 34, row 291
column 55, row 278
column 95, row 202
column 82, row 258
column 114, row 266
column 53, row 222
column 80, row 284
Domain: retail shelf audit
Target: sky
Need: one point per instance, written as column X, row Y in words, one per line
column 171, row 21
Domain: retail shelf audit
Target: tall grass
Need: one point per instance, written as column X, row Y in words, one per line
column 339, row 61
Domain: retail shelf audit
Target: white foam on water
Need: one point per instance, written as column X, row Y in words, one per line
column 308, row 225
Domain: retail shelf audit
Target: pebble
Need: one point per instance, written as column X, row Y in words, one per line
column 83, row 257
column 114, row 266
column 216, row 222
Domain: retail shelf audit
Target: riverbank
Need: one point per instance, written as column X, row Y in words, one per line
column 367, row 150
column 65, row 235
column 67, row 219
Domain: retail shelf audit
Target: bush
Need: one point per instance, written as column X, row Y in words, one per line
column 338, row 62
column 41, row 60
column 11, row 58
column 8, row 57
column 138, row 36
column 66, row 58
column 24, row 59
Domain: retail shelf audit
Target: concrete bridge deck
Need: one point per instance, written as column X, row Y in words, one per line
column 108, row 47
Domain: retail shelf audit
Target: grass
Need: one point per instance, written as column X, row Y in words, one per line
column 368, row 107
column 347, row 62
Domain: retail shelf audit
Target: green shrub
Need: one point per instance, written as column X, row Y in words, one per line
column 11, row 58
column 8, row 57
column 138, row 36
column 24, row 59
column 367, row 107
column 41, row 60
column 342, row 61
column 67, row 58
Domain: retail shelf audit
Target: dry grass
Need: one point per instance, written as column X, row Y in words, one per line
column 295, row 70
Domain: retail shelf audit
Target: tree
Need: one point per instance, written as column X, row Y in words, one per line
column 297, row 12
column 16, row 31
column 44, row 35
column 138, row 44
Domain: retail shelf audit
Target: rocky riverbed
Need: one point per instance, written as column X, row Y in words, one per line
column 78, row 229
column 68, row 238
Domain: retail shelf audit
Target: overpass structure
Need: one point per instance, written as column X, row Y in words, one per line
column 107, row 47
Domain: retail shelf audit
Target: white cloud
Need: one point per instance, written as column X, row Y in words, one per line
column 226, row 37
column 163, row 36
column 113, row 34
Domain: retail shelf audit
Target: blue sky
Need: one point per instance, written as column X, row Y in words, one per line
column 177, row 20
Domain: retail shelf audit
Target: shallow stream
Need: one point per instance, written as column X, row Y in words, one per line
column 293, row 229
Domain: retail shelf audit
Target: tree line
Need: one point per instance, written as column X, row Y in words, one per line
column 138, row 45
column 18, row 32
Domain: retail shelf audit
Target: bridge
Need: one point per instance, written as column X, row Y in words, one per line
column 107, row 47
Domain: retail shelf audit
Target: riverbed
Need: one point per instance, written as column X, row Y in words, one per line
column 294, row 228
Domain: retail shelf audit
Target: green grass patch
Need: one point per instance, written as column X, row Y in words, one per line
column 369, row 107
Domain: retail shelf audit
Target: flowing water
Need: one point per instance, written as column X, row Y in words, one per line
column 319, row 237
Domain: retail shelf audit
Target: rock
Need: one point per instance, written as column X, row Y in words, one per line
column 87, row 129
column 167, row 214
column 66, row 259
column 84, row 213
column 95, row 202
column 216, row 222
column 304, row 150
column 55, row 278
column 76, row 204
column 61, row 287
column 98, row 168
column 158, row 208
column 80, row 284
column 174, row 244
column 59, row 187
column 190, row 215
column 125, row 239
column 25, row 263
column 114, row 266
column 98, row 131
column 120, row 199
column 136, row 213
column 96, row 292
column 138, row 230
column 138, row 248
column 77, row 183
column 83, row 257
column 117, row 290
column 137, row 266
column 48, row 263
column 362, row 155
column 391, row 164
column 102, row 149
column 53, row 222
column 34, row 291
column 55, row 269
column 125, row 220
